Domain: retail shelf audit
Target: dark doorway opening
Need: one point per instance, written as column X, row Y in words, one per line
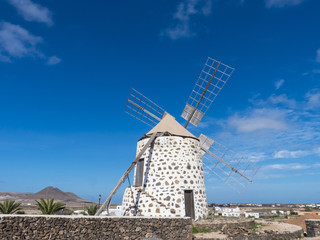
column 189, row 203
column 139, row 172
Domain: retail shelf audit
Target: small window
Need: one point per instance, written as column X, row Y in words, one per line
column 139, row 172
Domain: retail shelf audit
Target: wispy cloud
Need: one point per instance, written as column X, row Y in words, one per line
column 53, row 60
column 273, row 100
column 279, row 83
column 282, row 3
column 259, row 119
column 17, row 42
column 291, row 154
column 297, row 153
column 186, row 11
column 31, row 11
column 313, row 99
column 277, row 128
column 289, row 166
column 318, row 55
column 287, row 170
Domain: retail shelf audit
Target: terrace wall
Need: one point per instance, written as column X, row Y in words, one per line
column 75, row 227
column 313, row 227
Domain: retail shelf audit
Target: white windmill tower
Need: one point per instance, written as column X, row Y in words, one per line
column 168, row 177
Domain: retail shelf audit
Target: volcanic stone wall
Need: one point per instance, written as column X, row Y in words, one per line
column 226, row 226
column 69, row 227
column 313, row 227
column 175, row 166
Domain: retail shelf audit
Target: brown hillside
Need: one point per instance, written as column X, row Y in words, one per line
column 48, row 192
column 300, row 221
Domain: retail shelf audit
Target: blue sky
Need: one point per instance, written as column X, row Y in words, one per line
column 67, row 69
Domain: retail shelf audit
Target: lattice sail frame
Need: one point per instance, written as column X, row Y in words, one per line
column 227, row 164
column 144, row 109
column 221, row 73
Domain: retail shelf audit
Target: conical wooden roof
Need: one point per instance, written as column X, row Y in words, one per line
column 170, row 125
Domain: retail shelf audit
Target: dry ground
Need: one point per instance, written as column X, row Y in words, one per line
column 265, row 227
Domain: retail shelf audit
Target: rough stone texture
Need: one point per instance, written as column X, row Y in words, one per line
column 175, row 166
column 301, row 220
column 226, row 226
column 313, row 227
column 274, row 236
column 243, row 230
column 63, row 227
column 282, row 236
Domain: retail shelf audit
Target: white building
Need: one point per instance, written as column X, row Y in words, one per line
column 168, row 179
column 228, row 209
column 276, row 212
column 251, row 214
column 118, row 211
column 231, row 214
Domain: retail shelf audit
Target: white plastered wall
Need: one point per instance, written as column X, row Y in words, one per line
column 175, row 166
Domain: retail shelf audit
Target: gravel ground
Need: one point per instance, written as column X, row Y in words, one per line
column 265, row 226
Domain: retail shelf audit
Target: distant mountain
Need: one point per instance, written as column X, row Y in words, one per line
column 48, row 192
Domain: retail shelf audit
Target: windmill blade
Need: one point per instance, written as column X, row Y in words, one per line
column 212, row 79
column 227, row 164
column 144, row 109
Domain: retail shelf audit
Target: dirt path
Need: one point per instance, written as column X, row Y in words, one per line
column 261, row 228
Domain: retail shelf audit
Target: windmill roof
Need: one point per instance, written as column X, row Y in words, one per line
column 170, row 125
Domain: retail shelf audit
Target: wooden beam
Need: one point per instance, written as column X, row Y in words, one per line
column 123, row 178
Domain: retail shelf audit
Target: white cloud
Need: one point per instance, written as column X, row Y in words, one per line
column 289, row 166
column 278, row 83
column 291, row 154
column 207, row 8
column 255, row 156
column 282, row 3
column 31, row 11
column 274, row 99
column 282, row 99
column 17, row 42
column 53, row 60
column 313, row 99
column 185, row 11
column 270, row 127
column 318, row 55
column 259, row 119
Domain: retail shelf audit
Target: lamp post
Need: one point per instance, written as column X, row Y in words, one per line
column 99, row 200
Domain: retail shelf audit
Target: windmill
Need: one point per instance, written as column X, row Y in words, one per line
column 168, row 177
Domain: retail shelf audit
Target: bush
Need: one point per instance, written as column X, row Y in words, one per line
column 92, row 209
column 200, row 230
column 50, row 207
column 9, row 207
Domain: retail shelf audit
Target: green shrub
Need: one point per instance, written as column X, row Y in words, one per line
column 9, row 207
column 92, row 209
column 256, row 225
column 49, row 207
column 200, row 230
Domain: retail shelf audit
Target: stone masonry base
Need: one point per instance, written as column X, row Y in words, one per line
column 313, row 227
column 85, row 227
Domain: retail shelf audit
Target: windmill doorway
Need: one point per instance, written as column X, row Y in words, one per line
column 139, row 172
column 189, row 203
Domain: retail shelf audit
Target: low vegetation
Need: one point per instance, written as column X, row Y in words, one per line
column 49, row 207
column 200, row 230
column 9, row 207
column 92, row 209
column 256, row 225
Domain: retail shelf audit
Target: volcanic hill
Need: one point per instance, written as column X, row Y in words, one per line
column 48, row 192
